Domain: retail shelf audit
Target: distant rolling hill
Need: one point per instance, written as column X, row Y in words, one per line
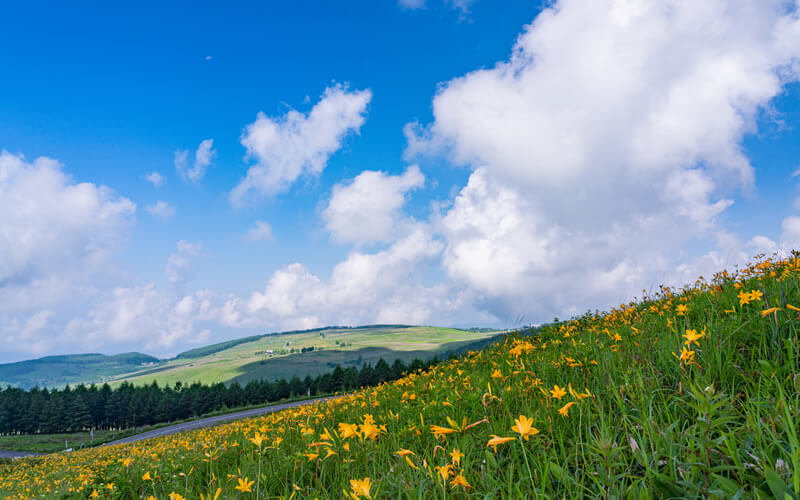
column 55, row 371
column 268, row 356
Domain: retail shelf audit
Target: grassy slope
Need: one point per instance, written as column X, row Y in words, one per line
column 69, row 369
column 683, row 395
column 49, row 443
column 246, row 361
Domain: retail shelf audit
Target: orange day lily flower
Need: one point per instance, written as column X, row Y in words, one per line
column 216, row 495
column 564, row 409
column 744, row 298
column 437, row 430
column 360, row 487
column 693, row 336
column 257, row 439
column 497, row 440
column 244, row 485
column 524, row 426
column 558, row 392
column 460, row 480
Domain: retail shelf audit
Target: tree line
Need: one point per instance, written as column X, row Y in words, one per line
column 80, row 408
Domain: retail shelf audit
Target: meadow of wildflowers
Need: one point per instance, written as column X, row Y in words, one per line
column 688, row 393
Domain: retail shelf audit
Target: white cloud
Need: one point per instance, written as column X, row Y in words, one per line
column 384, row 286
column 179, row 263
column 297, row 144
column 368, row 209
column 52, row 225
column 156, row 179
column 261, row 231
column 56, row 239
column 30, row 335
column 790, row 237
column 762, row 245
column 203, row 157
column 145, row 317
column 609, row 140
column 411, row 4
column 161, row 209
column 461, row 5
column 604, row 152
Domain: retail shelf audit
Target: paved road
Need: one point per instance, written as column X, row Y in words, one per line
column 210, row 421
column 16, row 454
column 188, row 426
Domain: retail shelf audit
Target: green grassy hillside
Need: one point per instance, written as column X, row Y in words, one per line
column 268, row 356
column 54, row 371
column 280, row 355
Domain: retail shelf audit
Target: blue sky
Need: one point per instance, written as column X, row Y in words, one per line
column 483, row 162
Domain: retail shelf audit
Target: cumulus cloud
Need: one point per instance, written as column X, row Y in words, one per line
column 640, row 84
column 203, row 157
column 147, row 316
column 297, row 144
column 760, row 244
column 384, row 286
column 156, row 179
column 51, row 224
column 261, row 231
column 368, row 209
column 161, row 209
column 128, row 314
column 608, row 140
column 56, row 239
column 790, row 236
column 604, row 147
column 603, row 153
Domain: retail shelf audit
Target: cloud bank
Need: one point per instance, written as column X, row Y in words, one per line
column 56, row 239
column 609, row 139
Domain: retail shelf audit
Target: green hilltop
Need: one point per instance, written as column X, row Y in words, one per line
column 55, row 371
column 268, row 356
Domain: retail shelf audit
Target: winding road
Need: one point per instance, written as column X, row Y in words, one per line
column 188, row 426
column 211, row 421
column 17, row 454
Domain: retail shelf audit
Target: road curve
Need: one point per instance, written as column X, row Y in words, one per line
column 17, row 454
column 210, row 421
column 188, row 426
